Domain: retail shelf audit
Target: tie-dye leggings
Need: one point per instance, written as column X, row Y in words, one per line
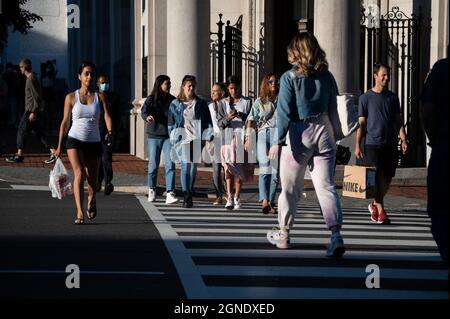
column 309, row 143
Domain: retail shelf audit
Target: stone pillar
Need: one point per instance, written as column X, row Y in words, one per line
column 188, row 43
column 337, row 28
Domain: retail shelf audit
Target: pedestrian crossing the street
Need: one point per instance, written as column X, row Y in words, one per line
column 225, row 254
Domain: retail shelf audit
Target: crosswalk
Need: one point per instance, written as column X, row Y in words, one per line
column 224, row 254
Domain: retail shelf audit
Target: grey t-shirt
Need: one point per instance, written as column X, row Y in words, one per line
column 381, row 111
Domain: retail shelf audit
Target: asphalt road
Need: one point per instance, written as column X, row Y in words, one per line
column 119, row 255
column 139, row 250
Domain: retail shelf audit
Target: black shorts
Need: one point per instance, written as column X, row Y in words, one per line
column 90, row 150
column 384, row 158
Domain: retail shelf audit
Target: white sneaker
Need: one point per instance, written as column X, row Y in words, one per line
column 171, row 198
column 151, row 195
column 237, row 203
column 230, row 203
column 279, row 238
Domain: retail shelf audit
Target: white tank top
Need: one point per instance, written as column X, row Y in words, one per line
column 85, row 120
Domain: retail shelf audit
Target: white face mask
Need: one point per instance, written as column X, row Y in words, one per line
column 104, row 87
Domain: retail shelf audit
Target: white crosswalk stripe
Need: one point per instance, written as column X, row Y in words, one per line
column 229, row 256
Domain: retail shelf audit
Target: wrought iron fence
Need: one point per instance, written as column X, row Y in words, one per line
column 395, row 39
column 229, row 56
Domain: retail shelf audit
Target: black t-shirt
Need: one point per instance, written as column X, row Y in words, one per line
column 381, row 111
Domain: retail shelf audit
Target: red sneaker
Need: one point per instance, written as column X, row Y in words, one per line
column 373, row 213
column 383, row 218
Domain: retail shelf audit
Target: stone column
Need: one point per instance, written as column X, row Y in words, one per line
column 188, row 43
column 337, row 28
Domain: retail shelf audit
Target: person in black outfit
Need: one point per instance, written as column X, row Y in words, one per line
column 435, row 118
column 106, row 170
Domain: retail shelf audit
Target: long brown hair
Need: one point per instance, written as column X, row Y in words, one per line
column 157, row 93
column 264, row 90
column 306, row 55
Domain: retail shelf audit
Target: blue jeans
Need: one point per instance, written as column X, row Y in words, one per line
column 155, row 147
column 188, row 167
column 268, row 169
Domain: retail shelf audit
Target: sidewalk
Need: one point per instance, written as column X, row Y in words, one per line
column 130, row 176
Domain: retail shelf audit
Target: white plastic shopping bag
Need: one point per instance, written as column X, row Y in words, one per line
column 59, row 183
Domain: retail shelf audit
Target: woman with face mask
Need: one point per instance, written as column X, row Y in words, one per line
column 155, row 113
column 189, row 128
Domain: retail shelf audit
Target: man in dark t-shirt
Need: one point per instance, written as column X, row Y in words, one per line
column 380, row 122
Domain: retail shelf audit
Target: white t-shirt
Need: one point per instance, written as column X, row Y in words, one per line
column 242, row 105
column 189, row 124
column 212, row 111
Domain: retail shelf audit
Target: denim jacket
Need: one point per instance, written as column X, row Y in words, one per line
column 176, row 118
column 303, row 97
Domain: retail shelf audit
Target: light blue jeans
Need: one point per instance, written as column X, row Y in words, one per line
column 155, row 147
column 268, row 169
column 310, row 144
column 189, row 163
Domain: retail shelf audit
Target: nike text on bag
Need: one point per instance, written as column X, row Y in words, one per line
column 359, row 182
column 59, row 183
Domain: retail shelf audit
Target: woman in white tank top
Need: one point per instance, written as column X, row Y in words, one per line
column 83, row 144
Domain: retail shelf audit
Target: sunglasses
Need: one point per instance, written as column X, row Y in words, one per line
column 273, row 82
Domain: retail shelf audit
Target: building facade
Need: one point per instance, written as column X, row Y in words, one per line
column 134, row 41
column 178, row 37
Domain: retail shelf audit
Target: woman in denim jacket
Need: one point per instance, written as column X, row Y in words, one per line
column 306, row 134
column 190, row 127
column 262, row 121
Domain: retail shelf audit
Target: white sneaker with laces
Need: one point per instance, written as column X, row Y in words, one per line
column 336, row 246
column 151, row 195
column 237, row 203
column 171, row 198
column 279, row 238
column 230, row 203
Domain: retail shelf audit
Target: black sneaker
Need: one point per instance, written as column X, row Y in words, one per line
column 109, row 188
column 50, row 160
column 15, row 159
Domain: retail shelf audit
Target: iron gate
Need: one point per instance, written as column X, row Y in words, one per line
column 395, row 40
column 231, row 57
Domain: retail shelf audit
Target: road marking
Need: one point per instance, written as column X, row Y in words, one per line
column 336, row 272
column 321, row 293
column 134, row 273
column 303, row 240
column 191, row 279
column 30, row 188
column 324, row 232
column 309, row 254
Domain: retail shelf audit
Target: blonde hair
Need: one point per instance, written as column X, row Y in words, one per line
column 306, row 55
